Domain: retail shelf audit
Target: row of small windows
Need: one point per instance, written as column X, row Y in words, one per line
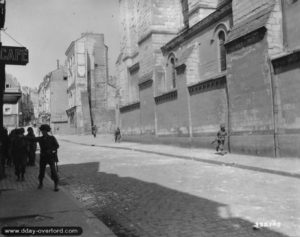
column 222, row 59
column 170, row 73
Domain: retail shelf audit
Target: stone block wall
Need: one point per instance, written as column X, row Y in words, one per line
column 243, row 9
column 198, row 10
column 166, row 15
column 144, row 18
column 147, row 112
column 251, row 98
column 172, row 113
column 130, row 122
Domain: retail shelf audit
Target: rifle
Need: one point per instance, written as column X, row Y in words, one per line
column 214, row 141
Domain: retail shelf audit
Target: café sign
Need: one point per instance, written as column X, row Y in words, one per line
column 13, row 55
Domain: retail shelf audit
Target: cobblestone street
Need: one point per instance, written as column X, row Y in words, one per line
column 140, row 194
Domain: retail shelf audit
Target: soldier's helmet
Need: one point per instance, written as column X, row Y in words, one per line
column 45, row 127
column 22, row 130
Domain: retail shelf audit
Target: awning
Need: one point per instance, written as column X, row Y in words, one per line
column 11, row 97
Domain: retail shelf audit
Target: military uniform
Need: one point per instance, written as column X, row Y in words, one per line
column 19, row 154
column 48, row 145
column 221, row 136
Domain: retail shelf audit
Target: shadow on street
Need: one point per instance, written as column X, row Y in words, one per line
column 131, row 207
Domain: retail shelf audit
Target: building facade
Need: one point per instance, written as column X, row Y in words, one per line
column 88, row 85
column 34, row 97
column 11, row 112
column 26, row 107
column 44, row 101
column 53, row 100
column 188, row 66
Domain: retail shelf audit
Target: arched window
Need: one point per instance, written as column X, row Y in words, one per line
column 173, row 72
column 222, row 50
column 185, row 12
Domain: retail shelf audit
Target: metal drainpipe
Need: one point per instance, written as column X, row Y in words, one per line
column 228, row 114
column 275, row 109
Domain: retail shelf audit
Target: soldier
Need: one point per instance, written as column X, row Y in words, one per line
column 48, row 145
column 19, row 154
column 221, row 135
column 117, row 135
column 94, row 130
column 31, row 147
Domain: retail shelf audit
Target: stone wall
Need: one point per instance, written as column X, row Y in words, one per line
column 243, row 9
column 198, row 10
column 250, row 97
column 291, row 23
column 287, row 86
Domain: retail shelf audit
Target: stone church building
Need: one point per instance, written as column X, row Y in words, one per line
column 187, row 66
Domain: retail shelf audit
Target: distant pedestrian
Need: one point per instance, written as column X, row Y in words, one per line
column 19, row 154
column 94, row 130
column 48, row 145
column 221, row 136
column 117, row 135
column 31, row 147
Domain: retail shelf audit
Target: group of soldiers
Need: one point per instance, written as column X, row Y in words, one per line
column 19, row 150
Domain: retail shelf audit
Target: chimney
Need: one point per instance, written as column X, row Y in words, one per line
column 57, row 63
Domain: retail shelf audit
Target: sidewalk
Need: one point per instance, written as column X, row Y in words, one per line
column 23, row 205
column 281, row 166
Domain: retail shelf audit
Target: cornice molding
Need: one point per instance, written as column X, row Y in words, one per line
column 151, row 32
column 286, row 62
column 145, row 84
column 169, row 96
column 130, row 107
column 208, row 85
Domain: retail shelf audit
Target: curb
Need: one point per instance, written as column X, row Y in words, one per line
column 221, row 163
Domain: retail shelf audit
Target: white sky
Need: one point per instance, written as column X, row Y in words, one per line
column 47, row 27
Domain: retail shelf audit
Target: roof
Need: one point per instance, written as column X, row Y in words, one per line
column 251, row 24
